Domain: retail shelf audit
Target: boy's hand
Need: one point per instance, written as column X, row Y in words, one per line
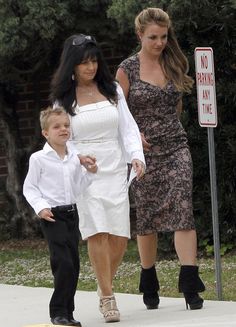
column 46, row 214
column 89, row 162
column 138, row 167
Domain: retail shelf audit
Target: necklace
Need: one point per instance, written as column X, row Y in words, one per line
column 89, row 91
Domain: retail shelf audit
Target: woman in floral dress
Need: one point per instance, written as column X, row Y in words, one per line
column 153, row 81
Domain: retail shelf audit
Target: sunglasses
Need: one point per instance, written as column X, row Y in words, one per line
column 83, row 39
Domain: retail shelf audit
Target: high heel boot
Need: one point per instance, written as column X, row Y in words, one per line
column 190, row 284
column 149, row 286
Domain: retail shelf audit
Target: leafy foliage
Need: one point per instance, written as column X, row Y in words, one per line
column 124, row 11
column 28, row 28
column 31, row 30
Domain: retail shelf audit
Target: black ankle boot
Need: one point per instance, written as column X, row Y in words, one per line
column 149, row 286
column 190, row 284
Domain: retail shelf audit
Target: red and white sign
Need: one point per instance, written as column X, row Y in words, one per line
column 205, row 81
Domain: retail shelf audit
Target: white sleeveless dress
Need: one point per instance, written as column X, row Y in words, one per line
column 104, row 205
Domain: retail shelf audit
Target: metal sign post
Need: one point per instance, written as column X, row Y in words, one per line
column 207, row 116
column 214, row 206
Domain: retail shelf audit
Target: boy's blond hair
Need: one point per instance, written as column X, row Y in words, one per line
column 47, row 113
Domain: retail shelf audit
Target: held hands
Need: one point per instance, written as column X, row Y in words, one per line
column 46, row 214
column 89, row 162
column 146, row 145
column 138, row 167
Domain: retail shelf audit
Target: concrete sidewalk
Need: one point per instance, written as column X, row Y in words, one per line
column 22, row 306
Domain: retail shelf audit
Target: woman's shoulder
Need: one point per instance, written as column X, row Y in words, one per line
column 129, row 62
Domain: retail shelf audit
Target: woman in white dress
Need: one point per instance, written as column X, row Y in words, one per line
column 102, row 127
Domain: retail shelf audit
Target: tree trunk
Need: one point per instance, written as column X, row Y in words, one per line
column 20, row 221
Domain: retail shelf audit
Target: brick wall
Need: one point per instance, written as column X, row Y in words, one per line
column 32, row 97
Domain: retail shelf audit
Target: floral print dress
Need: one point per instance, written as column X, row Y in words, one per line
column 163, row 197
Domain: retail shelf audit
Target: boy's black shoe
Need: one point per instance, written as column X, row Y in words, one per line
column 61, row 321
column 74, row 322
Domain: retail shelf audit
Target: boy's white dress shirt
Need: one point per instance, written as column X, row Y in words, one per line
column 52, row 181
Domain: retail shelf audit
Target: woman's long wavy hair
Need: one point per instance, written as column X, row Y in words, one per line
column 173, row 62
column 63, row 85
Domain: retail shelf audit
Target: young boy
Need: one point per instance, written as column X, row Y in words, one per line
column 54, row 180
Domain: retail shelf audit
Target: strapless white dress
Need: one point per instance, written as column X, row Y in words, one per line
column 104, row 205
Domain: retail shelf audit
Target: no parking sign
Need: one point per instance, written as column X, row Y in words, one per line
column 205, row 81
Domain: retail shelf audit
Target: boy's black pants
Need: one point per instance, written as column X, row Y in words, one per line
column 63, row 241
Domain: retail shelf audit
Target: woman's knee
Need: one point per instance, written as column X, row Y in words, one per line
column 99, row 239
column 118, row 241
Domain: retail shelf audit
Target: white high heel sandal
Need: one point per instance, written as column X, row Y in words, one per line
column 108, row 308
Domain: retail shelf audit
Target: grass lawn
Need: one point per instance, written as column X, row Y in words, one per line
column 27, row 263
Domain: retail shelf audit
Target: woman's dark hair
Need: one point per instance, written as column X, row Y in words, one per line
column 63, row 86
